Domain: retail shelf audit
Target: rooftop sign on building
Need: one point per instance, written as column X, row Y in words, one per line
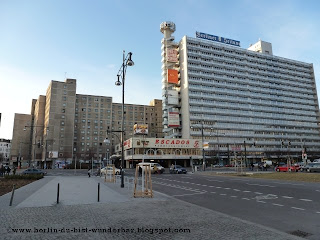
column 217, row 39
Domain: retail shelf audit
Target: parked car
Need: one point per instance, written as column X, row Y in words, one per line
column 311, row 167
column 109, row 170
column 316, row 161
column 217, row 165
column 300, row 164
column 33, row 171
column 285, row 168
column 177, row 169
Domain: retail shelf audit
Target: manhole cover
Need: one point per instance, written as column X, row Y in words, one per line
column 300, row 233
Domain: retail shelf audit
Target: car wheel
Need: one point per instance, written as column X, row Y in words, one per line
column 278, row 170
column 308, row 170
column 290, row 170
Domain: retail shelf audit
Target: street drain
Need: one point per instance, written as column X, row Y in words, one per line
column 299, row 233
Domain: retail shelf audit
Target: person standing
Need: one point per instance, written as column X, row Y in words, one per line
column 89, row 172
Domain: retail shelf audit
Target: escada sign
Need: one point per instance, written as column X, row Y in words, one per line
column 162, row 143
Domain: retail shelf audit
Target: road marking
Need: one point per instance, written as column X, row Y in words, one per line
column 246, row 191
column 213, row 192
column 236, row 190
column 298, row 208
column 227, row 188
column 276, row 204
column 268, row 196
column 234, row 196
column 212, row 180
column 211, row 186
column 261, row 185
column 188, row 194
column 258, row 193
column 245, row 198
column 187, row 177
column 204, row 185
column 317, row 190
column 223, row 194
column 307, row 200
column 317, row 212
column 218, row 187
column 287, row 197
column 296, row 184
column 261, row 202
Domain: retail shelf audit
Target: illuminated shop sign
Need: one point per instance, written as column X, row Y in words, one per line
column 217, row 39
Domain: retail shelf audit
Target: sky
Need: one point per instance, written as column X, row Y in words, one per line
column 44, row 40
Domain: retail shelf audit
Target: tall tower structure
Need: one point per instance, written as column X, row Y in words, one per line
column 170, row 82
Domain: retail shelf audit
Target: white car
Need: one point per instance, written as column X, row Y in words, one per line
column 109, row 170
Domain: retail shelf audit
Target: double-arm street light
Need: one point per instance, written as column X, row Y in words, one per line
column 126, row 61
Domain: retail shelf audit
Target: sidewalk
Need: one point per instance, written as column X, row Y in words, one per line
column 118, row 215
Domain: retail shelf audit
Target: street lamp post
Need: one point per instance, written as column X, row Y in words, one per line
column 203, row 153
column 126, row 61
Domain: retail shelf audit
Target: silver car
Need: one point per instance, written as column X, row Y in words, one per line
column 311, row 167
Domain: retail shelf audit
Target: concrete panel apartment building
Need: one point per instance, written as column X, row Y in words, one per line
column 247, row 103
column 64, row 126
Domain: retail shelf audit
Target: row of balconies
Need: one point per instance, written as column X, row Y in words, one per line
column 244, row 95
column 253, row 90
column 237, row 113
column 246, row 73
column 265, row 59
column 252, row 107
column 303, row 88
column 249, row 94
column 246, row 101
column 240, row 120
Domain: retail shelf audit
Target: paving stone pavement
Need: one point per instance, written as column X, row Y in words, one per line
column 117, row 216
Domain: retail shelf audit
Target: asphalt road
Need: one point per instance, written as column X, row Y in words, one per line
column 291, row 207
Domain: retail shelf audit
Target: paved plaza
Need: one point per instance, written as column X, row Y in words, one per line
column 35, row 214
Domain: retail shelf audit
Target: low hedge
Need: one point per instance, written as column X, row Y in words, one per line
column 27, row 176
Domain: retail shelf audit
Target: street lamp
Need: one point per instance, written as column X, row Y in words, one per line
column 33, row 135
column 203, row 152
column 126, row 61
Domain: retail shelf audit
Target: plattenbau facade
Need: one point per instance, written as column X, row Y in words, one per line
column 65, row 126
column 244, row 103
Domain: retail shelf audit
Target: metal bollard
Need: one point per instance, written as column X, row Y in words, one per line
column 98, row 192
column 58, row 193
column 12, row 194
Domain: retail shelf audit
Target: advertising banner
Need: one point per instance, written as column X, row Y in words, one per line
column 172, row 55
column 172, row 76
column 53, row 154
column 173, row 119
column 173, row 97
column 141, row 129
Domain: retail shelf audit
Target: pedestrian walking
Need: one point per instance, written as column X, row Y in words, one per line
column 14, row 170
column 252, row 166
column 89, row 172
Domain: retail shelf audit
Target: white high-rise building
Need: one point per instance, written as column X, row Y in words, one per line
column 243, row 102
